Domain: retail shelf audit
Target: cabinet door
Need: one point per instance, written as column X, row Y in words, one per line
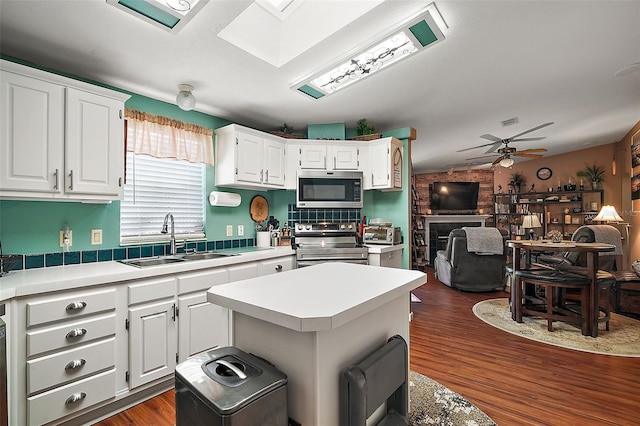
column 95, row 144
column 379, row 164
column 152, row 342
column 249, row 158
column 344, row 157
column 32, row 138
column 313, row 157
column 274, row 163
column 201, row 325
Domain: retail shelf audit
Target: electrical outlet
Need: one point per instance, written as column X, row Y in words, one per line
column 229, row 230
column 69, row 236
column 96, row 237
column 240, row 230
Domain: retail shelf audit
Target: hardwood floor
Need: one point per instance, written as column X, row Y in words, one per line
column 514, row 380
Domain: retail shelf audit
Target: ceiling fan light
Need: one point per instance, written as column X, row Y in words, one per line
column 185, row 99
column 507, row 162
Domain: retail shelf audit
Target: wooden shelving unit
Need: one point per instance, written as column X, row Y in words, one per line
column 564, row 211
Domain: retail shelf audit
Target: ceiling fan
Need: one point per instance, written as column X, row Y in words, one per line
column 506, row 152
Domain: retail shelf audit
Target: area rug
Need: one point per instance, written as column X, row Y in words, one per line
column 623, row 339
column 434, row 404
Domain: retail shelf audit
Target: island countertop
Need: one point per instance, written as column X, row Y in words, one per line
column 316, row 298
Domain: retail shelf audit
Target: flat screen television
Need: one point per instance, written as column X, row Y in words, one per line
column 453, row 197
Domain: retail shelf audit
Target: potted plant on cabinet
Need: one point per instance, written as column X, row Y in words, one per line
column 594, row 174
column 365, row 131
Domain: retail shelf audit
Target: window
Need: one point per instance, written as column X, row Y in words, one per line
column 157, row 186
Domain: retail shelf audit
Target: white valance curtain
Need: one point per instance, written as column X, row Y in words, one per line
column 163, row 137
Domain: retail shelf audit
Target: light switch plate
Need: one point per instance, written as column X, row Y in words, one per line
column 96, row 237
column 229, row 230
column 240, row 230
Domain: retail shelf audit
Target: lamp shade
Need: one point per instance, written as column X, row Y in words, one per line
column 531, row 221
column 507, row 162
column 185, row 99
column 608, row 214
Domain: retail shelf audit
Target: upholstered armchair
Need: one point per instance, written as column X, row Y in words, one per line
column 477, row 271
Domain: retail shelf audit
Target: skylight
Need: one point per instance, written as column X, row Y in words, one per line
column 170, row 15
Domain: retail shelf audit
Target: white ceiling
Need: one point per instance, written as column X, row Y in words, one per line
column 539, row 61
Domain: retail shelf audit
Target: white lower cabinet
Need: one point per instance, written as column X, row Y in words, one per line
column 75, row 348
column 274, row 266
column 69, row 351
column 201, row 325
column 153, row 341
column 387, row 258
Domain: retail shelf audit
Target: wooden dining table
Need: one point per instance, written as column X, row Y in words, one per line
column 592, row 250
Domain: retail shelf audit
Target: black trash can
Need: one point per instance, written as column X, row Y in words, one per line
column 229, row 387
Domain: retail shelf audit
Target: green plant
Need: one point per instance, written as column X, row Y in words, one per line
column 364, row 128
column 593, row 173
column 518, row 180
column 286, row 128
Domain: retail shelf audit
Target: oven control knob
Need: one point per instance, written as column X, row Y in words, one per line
column 299, row 226
column 308, row 226
column 342, row 226
column 350, row 226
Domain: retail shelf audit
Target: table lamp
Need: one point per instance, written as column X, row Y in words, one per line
column 529, row 222
column 608, row 214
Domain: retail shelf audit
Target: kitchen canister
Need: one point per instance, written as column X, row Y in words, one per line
column 263, row 238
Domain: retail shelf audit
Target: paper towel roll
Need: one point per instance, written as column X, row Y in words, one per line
column 224, row 199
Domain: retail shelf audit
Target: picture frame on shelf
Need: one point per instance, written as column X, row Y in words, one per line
column 635, row 187
column 635, row 149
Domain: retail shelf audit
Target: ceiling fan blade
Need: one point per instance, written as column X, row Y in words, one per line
column 494, row 148
column 474, row 147
column 527, row 139
column 531, row 130
column 534, row 150
column 480, row 158
column 526, row 154
column 491, row 138
column 499, row 159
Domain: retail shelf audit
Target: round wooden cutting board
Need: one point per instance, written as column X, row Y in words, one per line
column 259, row 208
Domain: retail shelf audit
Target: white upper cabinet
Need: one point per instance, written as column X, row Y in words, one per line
column 247, row 158
column 384, row 165
column 61, row 139
column 319, row 156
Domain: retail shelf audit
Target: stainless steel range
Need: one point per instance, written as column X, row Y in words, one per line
column 328, row 242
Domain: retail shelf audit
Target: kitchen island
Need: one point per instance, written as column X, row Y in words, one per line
column 315, row 321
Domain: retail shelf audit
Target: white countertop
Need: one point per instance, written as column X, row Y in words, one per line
column 319, row 297
column 67, row 277
column 383, row 248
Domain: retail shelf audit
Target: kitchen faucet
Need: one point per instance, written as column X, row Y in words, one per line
column 172, row 241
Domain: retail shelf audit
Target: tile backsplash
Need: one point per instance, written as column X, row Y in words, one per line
column 294, row 215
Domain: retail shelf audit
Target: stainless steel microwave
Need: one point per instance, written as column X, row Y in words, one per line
column 324, row 189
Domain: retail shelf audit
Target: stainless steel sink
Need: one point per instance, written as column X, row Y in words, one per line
column 206, row 255
column 152, row 261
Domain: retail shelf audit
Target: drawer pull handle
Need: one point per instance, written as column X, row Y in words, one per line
column 76, row 363
column 76, row 332
column 75, row 398
column 75, row 306
column 278, row 268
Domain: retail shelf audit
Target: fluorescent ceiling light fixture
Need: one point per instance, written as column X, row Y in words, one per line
column 421, row 30
column 170, row 15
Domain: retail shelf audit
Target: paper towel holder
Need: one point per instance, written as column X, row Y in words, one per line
column 224, row 199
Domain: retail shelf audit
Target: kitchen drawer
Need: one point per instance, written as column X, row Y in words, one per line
column 62, row 367
column 147, row 291
column 70, row 305
column 202, row 280
column 75, row 396
column 61, row 336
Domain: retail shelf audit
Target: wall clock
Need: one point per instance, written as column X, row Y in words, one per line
column 544, row 173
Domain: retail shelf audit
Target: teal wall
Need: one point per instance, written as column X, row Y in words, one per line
column 32, row 227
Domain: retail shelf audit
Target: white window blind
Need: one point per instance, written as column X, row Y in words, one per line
column 155, row 187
